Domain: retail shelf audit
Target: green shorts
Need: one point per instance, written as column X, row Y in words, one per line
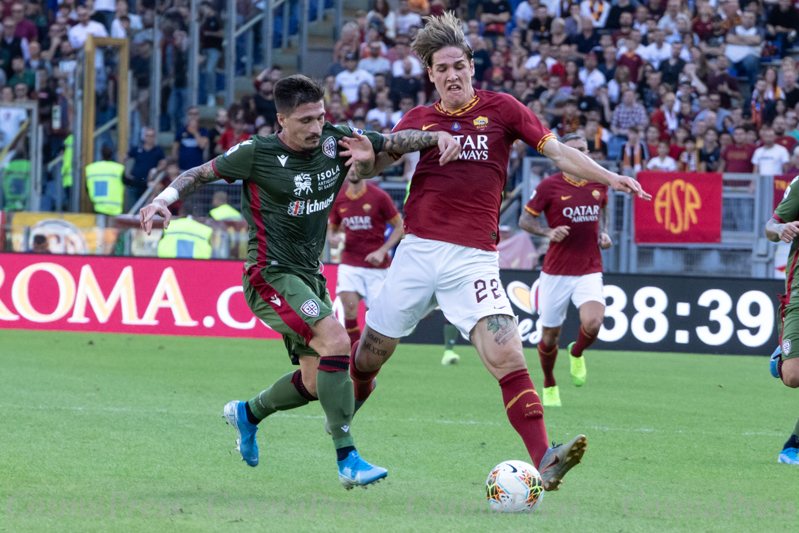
column 289, row 303
column 789, row 333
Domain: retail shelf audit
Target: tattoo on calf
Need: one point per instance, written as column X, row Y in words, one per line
column 371, row 343
column 503, row 328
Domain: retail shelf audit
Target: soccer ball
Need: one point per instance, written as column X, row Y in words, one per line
column 514, row 487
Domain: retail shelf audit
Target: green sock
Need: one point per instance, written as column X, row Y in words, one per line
column 281, row 396
column 338, row 401
column 450, row 336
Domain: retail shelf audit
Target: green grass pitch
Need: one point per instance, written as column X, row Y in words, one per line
column 124, row 433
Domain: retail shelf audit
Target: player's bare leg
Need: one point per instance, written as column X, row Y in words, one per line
column 790, row 372
column 368, row 355
column 591, row 316
column 547, row 354
column 500, row 348
column 350, row 301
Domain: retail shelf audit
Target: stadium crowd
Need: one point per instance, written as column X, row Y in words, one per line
column 660, row 84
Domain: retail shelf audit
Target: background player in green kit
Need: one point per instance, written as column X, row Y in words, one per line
column 784, row 226
column 290, row 180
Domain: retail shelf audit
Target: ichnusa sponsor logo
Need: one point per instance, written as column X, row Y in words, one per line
column 316, row 206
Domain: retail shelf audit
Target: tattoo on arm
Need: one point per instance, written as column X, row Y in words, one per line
column 364, row 169
column 407, row 141
column 503, row 327
column 532, row 224
column 190, row 181
column 773, row 230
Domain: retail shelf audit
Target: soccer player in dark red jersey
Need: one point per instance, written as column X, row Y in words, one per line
column 361, row 212
column 449, row 256
column 577, row 216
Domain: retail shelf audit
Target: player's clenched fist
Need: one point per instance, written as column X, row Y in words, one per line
column 559, row 233
column 789, row 231
column 147, row 213
column 604, row 241
column 450, row 148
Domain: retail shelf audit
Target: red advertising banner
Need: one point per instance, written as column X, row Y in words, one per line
column 129, row 295
column 685, row 208
column 781, row 184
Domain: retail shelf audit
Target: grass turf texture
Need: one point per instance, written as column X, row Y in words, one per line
column 124, row 420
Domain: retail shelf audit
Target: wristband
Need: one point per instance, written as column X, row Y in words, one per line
column 169, row 195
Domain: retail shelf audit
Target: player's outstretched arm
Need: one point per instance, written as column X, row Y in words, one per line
column 578, row 164
column 184, row 185
column 776, row 232
column 407, row 141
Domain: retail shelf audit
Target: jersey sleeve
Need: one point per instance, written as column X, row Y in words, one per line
column 538, row 201
column 236, row 163
column 788, row 210
column 523, row 124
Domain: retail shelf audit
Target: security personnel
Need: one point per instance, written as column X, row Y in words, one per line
column 222, row 209
column 17, row 184
column 104, row 181
column 186, row 238
column 66, row 166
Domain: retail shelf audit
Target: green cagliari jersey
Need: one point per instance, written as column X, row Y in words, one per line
column 788, row 211
column 287, row 195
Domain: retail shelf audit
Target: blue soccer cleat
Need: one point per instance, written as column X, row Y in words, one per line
column 789, row 456
column 354, row 471
column 775, row 358
column 236, row 416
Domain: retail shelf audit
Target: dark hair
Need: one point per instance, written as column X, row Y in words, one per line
column 107, row 152
column 293, row 91
column 690, row 138
column 39, row 239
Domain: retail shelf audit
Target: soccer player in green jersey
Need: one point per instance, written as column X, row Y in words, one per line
column 784, row 226
column 290, row 180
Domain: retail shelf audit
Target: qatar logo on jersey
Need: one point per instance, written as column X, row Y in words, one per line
column 302, row 183
column 582, row 213
column 296, row 208
column 329, row 147
column 473, row 147
column 358, row 222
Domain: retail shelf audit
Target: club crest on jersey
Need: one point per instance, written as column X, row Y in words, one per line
column 456, row 126
column 302, row 183
column 786, row 346
column 481, row 122
column 297, row 208
column 595, row 194
column 367, row 207
column 329, row 147
column 310, row 308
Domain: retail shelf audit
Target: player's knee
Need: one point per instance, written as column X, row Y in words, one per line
column 550, row 338
column 790, row 373
column 507, row 361
column 592, row 325
column 336, row 342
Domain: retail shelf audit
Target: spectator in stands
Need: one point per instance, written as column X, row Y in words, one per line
column 20, row 74
column 620, row 7
column 628, row 114
column 641, row 19
column 663, row 162
column 720, row 81
column 737, row 157
column 350, row 80
column 406, row 18
column 782, row 139
column 402, row 50
column 190, row 141
column 783, row 22
column 598, row 10
column 85, row 27
column 407, row 84
column 590, row 76
column 221, row 124
column 374, row 62
column 496, row 14
column 525, row 12
column 743, row 46
column 665, row 117
column 540, row 27
column 211, row 36
column 11, row 46
column 141, row 161
column 673, row 66
column 36, row 62
column 176, row 64
column 122, row 11
column 382, row 112
column 793, row 126
column 553, row 99
column 770, row 159
column 668, row 22
column 628, row 57
column 710, row 153
column 689, row 160
column 406, row 104
column 265, row 98
column 235, row 134
column 25, row 29
column 793, row 170
column 381, row 10
column 658, row 50
column 634, row 153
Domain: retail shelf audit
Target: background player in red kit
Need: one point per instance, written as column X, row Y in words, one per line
column 577, row 216
column 361, row 211
column 449, row 256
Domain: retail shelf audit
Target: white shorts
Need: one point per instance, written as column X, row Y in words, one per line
column 463, row 281
column 364, row 281
column 554, row 293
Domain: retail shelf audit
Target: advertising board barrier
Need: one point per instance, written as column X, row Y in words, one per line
column 204, row 298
